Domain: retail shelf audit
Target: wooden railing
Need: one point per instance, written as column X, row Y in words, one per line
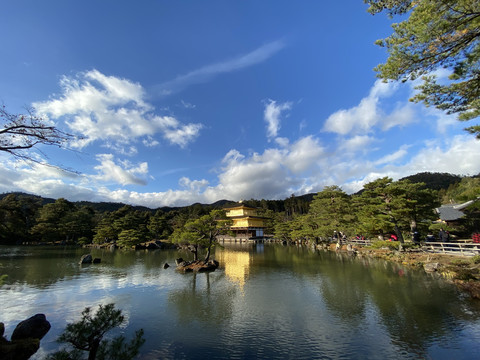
column 456, row 248
column 363, row 242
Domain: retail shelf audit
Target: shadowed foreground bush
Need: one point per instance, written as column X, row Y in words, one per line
column 87, row 335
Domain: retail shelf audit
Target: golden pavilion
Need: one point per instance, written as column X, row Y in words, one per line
column 246, row 221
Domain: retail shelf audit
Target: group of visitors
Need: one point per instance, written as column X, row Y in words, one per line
column 393, row 237
column 339, row 237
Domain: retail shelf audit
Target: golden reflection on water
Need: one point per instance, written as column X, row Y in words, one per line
column 237, row 265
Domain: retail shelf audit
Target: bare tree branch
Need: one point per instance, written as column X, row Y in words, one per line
column 21, row 132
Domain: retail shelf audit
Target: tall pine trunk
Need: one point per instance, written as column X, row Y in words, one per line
column 92, row 354
column 399, row 234
column 195, row 252
column 207, row 256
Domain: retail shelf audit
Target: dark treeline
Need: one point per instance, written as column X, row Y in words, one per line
column 383, row 206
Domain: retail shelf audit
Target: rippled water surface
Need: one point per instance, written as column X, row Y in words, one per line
column 265, row 302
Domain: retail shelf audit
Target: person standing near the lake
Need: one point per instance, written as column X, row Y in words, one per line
column 442, row 235
column 335, row 236
column 416, row 237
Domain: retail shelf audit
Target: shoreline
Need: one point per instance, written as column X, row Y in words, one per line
column 462, row 271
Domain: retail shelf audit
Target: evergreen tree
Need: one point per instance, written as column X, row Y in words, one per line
column 105, row 231
column 126, row 225
column 436, row 34
column 202, row 232
column 51, row 221
column 159, row 226
column 282, row 230
column 331, row 211
column 17, row 217
column 87, row 335
column 386, row 206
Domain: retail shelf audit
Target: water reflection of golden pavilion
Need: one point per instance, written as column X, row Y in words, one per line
column 237, row 265
column 247, row 223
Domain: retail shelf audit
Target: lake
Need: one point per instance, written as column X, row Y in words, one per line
column 264, row 302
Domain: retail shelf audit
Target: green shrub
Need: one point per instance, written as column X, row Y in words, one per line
column 84, row 240
column 392, row 245
column 411, row 245
column 465, row 274
column 460, row 262
column 476, row 259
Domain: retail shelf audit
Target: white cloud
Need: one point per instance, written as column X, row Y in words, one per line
column 187, row 105
column 272, row 115
column 303, row 155
column 401, row 116
column 458, row 155
column 232, row 156
column 444, row 122
column 150, row 142
column 205, row 73
column 364, row 116
column 47, row 181
column 273, row 174
column 390, row 158
column 108, row 108
column 9, row 176
column 259, row 176
column 282, row 141
column 128, row 150
column 124, row 174
column 358, row 143
column 183, row 134
column 193, row 185
column 152, row 199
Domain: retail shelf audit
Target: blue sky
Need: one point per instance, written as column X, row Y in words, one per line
column 178, row 102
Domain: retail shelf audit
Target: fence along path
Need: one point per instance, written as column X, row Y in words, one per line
column 363, row 242
column 456, row 248
column 461, row 247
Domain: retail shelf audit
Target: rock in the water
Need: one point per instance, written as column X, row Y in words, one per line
column 152, row 246
column 97, row 260
column 86, row 259
column 35, row 327
column 25, row 339
column 211, row 265
column 430, row 267
column 178, row 261
column 473, row 287
column 18, row 349
column 198, row 266
column 166, row 266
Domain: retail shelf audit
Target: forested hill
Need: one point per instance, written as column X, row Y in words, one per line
column 98, row 206
column 293, row 204
column 435, row 181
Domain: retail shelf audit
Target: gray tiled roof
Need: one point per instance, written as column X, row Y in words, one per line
column 449, row 213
